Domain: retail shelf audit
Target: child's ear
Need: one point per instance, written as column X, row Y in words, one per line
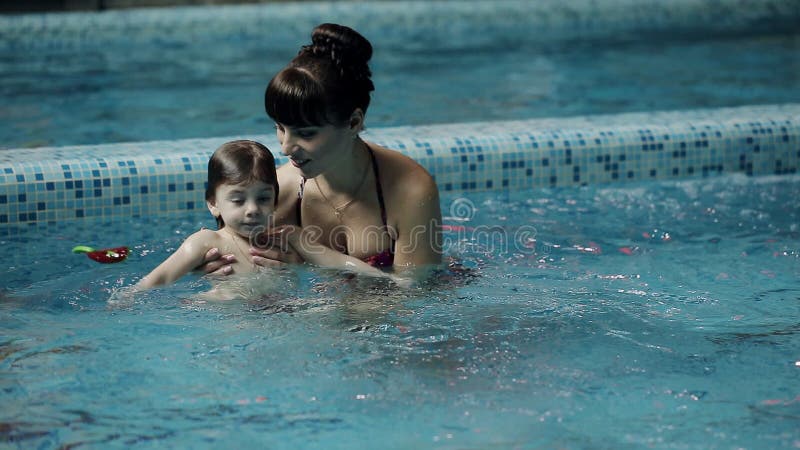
column 212, row 207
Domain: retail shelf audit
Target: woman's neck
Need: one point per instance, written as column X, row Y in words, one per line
column 348, row 174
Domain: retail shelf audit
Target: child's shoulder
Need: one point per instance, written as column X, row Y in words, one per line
column 203, row 239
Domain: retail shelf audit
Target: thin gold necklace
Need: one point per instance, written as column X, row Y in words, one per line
column 339, row 210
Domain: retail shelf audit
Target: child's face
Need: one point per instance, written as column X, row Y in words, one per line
column 245, row 208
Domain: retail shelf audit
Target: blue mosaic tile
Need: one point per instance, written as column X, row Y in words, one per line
column 85, row 182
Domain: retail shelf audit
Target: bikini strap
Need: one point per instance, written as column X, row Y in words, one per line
column 378, row 188
column 298, row 208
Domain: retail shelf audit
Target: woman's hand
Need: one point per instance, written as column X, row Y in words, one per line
column 273, row 248
column 216, row 264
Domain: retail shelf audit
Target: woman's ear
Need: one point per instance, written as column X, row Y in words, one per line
column 357, row 121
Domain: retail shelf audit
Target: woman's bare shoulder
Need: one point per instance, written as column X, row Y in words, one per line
column 287, row 175
column 399, row 172
column 289, row 179
column 289, row 183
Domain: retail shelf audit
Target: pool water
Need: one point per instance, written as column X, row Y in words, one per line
column 166, row 87
column 639, row 315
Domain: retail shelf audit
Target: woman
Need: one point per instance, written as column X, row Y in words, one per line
column 350, row 195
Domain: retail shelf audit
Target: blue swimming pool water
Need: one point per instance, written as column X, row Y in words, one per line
column 658, row 314
column 647, row 315
column 168, row 81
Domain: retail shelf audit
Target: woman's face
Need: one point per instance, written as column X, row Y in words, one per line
column 315, row 149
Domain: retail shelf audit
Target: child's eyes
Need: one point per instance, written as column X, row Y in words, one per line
column 240, row 201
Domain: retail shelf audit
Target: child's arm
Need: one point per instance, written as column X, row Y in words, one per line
column 188, row 256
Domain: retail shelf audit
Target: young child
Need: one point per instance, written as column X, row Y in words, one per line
column 241, row 194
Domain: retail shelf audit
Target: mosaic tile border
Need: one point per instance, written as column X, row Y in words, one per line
column 48, row 186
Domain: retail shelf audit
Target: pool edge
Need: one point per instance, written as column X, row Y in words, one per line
column 53, row 185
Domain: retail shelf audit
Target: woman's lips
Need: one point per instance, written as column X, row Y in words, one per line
column 299, row 162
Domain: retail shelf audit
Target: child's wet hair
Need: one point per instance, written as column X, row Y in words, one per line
column 238, row 162
column 325, row 82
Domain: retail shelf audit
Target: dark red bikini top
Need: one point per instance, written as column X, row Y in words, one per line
column 382, row 259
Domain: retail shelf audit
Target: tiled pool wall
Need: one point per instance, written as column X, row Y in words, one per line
column 47, row 186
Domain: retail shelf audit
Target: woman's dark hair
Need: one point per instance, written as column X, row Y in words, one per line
column 325, row 82
column 238, row 162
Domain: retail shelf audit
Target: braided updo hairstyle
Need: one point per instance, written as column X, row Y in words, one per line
column 325, row 82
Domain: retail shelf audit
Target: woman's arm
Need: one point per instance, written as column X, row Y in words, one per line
column 419, row 228
column 189, row 255
column 305, row 246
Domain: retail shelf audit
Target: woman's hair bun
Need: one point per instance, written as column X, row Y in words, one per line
column 325, row 82
column 349, row 50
